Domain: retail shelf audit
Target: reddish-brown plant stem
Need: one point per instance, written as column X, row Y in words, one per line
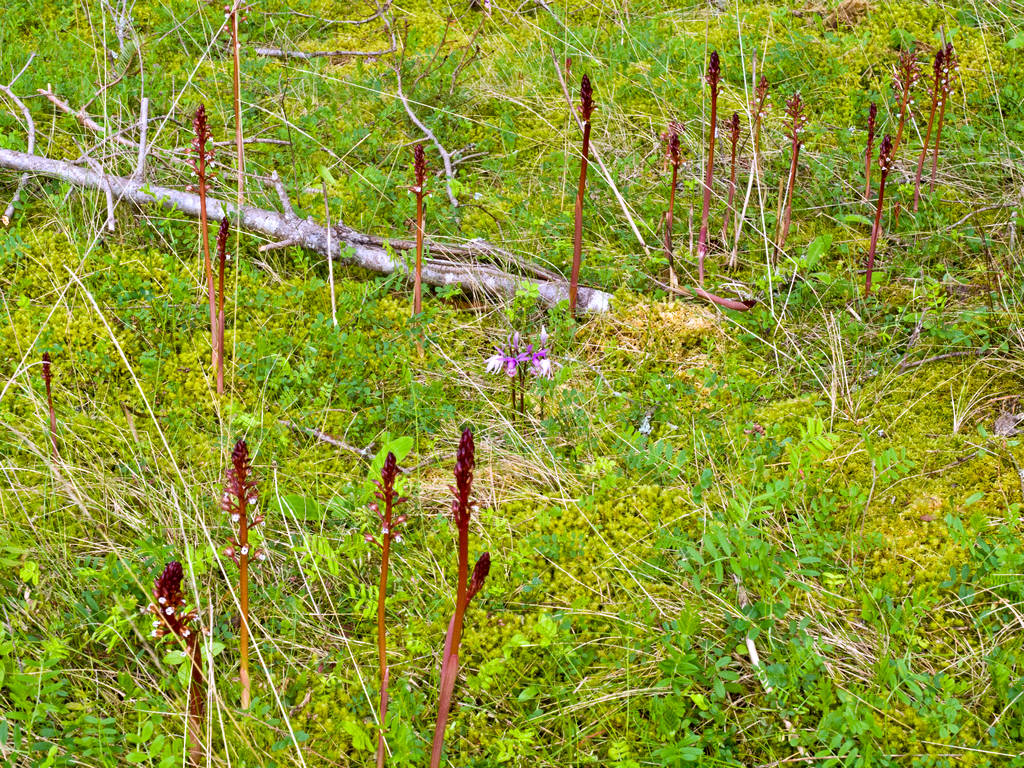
column 798, row 121
column 222, row 246
column 466, row 589
column 937, row 67
column 761, row 98
column 872, row 116
column 203, row 178
column 674, row 155
column 171, row 619
column 905, row 76
column 884, row 164
column 48, row 381
column 712, row 77
column 733, row 125
column 386, row 494
column 419, row 163
column 586, row 111
column 950, row 65
column 239, row 501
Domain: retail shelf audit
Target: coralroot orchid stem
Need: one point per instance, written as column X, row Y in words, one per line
column 712, row 77
column 586, row 110
column 950, row 65
column 196, row 700
column 937, row 67
column 420, row 169
column 202, row 136
column 885, row 153
column 795, row 111
column 239, row 501
column 674, row 155
column 734, row 137
column 171, row 619
column 222, row 245
column 872, row 116
column 48, row 381
column 389, row 525
column 905, row 77
column 466, row 590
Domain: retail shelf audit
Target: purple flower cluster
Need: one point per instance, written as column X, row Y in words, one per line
column 518, row 353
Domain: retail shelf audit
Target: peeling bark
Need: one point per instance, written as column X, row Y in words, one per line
column 476, row 279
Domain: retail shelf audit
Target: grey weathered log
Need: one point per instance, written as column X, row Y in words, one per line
column 474, row 278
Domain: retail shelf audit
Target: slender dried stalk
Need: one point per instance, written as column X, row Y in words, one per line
column 467, row 588
column 420, row 169
column 950, row 65
column 885, row 153
column 389, row 525
column 675, row 157
column 222, row 247
column 171, row 619
column 759, row 110
column 798, row 122
column 712, row 76
column 733, row 125
column 48, row 381
column 240, row 500
column 904, row 77
column 872, row 116
column 586, row 111
column 234, row 17
column 938, row 68
column 201, row 162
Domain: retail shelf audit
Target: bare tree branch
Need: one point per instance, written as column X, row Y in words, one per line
column 475, row 279
column 30, row 128
column 281, row 53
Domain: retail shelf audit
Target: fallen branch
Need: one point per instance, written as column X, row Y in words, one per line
column 30, row 129
column 281, row 53
column 475, row 279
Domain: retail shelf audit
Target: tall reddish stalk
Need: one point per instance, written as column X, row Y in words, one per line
column 675, row 158
column 872, row 115
column 419, row 163
column 733, row 124
column 938, row 69
column 467, row 588
column 388, row 532
column 712, row 76
column 904, row 77
column 950, row 65
column 171, row 619
column 204, row 178
column 222, row 255
column 884, row 164
column 48, row 381
column 586, row 111
column 797, row 124
column 240, row 500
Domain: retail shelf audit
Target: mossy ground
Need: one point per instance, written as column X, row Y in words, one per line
column 689, row 481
